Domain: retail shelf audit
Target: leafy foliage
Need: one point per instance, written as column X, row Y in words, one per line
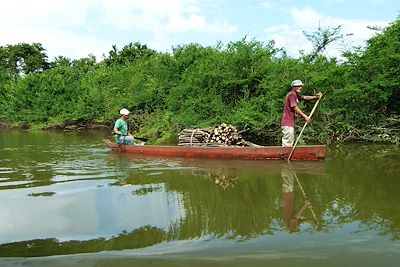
column 23, row 58
column 322, row 37
column 243, row 83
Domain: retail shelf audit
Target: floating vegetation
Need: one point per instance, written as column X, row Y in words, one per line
column 146, row 190
column 43, row 194
column 223, row 179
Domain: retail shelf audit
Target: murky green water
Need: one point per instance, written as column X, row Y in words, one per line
column 66, row 196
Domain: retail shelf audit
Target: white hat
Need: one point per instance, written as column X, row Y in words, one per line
column 124, row 111
column 297, row 83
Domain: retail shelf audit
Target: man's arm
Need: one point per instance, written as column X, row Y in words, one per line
column 313, row 97
column 115, row 129
column 301, row 113
column 307, row 97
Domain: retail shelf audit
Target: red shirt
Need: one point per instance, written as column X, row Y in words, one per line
column 291, row 101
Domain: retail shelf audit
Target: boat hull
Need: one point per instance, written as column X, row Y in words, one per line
column 268, row 152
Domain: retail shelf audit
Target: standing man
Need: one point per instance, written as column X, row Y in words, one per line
column 120, row 131
column 291, row 108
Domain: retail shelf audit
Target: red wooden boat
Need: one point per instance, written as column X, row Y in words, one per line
column 263, row 152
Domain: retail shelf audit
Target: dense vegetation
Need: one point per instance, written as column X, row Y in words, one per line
column 242, row 83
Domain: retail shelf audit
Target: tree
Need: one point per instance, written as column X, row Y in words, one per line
column 379, row 68
column 61, row 61
column 23, row 58
column 321, row 38
column 129, row 54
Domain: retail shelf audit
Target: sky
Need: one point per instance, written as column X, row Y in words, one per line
column 78, row 28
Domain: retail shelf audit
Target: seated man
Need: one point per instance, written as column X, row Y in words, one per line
column 120, row 131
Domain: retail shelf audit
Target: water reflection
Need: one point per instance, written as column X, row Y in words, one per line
column 80, row 198
column 293, row 215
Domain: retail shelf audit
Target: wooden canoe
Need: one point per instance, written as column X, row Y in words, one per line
column 316, row 152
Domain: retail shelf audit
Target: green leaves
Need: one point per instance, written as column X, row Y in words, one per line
column 23, row 58
column 243, row 83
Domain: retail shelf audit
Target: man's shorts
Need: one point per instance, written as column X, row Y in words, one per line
column 288, row 136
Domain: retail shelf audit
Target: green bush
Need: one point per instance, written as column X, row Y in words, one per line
column 243, row 83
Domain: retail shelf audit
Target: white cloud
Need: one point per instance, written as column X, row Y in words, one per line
column 155, row 16
column 290, row 38
column 51, row 23
column 166, row 21
column 76, row 28
column 306, row 17
column 308, row 20
column 285, row 28
column 44, row 13
column 267, row 5
column 59, row 43
column 69, row 27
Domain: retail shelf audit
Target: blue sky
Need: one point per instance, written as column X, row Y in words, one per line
column 77, row 28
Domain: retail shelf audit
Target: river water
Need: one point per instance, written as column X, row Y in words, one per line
column 67, row 200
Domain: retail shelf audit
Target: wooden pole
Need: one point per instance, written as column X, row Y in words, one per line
column 305, row 124
column 305, row 197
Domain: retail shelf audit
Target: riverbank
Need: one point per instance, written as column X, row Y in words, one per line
column 390, row 133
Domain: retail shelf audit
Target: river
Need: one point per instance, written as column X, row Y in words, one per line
column 67, row 200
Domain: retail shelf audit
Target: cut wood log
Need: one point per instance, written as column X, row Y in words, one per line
column 221, row 135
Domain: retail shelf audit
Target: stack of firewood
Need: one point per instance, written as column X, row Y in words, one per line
column 226, row 135
column 193, row 137
column 222, row 135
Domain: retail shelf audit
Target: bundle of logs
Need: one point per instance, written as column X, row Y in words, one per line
column 222, row 135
